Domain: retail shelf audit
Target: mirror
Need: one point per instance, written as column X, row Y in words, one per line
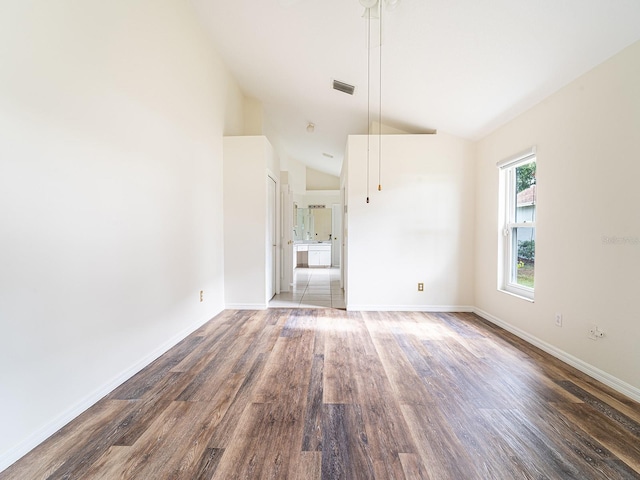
column 312, row 224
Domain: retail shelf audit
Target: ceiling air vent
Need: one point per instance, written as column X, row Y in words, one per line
column 343, row 87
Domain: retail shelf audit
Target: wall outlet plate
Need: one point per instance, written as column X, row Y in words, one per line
column 558, row 319
column 421, row 287
column 595, row 332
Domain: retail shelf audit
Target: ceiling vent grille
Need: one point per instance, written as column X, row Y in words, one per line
column 343, row 87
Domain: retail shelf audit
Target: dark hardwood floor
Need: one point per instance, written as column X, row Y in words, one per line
column 330, row 394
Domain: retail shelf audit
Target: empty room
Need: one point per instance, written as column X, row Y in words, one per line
column 319, row 239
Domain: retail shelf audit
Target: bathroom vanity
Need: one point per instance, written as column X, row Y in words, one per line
column 313, row 254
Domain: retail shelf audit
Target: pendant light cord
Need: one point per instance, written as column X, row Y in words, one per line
column 380, row 106
column 368, row 94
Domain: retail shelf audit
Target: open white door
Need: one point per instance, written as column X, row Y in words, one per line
column 271, row 238
column 336, row 234
column 286, row 243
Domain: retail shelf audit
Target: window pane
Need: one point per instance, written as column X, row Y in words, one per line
column 526, row 193
column 519, row 187
column 524, row 254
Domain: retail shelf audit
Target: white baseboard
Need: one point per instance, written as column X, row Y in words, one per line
column 9, row 457
column 615, row 383
column 246, row 306
column 410, row 308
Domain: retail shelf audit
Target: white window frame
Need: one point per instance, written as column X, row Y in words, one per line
column 508, row 224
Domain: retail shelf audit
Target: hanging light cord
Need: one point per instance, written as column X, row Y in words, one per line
column 368, row 93
column 380, row 107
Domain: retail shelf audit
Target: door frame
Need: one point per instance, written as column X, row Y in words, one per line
column 273, row 270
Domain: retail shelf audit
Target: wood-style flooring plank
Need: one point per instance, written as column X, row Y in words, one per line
column 442, row 453
column 345, row 445
column 73, row 447
column 606, row 397
column 310, row 466
column 172, row 447
column 339, row 373
column 216, row 335
column 287, row 371
column 406, row 381
column 413, row 467
column 229, row 422
column 147, row 378
column 208, row 463
column 312, row 439
column 536, row 452
column 146, row 410
column 268, row 437
column 274, row 421
column 623, row 444
column 579, row 446
column 220, row 367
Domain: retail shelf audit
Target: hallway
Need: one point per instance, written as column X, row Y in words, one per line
column 312, row 287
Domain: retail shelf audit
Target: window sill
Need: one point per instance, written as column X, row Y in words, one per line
column 517, row 295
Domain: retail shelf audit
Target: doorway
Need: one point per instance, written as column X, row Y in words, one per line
column 312, row 288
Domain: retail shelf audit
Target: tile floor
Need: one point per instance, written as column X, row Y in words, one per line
column 312, row 288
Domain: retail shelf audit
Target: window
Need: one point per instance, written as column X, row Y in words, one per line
column 518, row 224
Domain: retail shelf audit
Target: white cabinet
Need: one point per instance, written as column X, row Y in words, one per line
column 319, row 255
column 313, row 255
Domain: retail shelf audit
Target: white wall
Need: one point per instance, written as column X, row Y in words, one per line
column 588, row 169
column 318, row 197
column 253, row 117
column 247, row 160
column 297, row 174
column 317, row 180
column 110, row 199
column 419, row 228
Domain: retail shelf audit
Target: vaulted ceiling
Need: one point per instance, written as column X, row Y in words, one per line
column 459, row 66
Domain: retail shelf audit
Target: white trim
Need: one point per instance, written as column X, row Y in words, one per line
column 246, row 306
column 515, row 294
column 507, row 250
column 517, row 290
column 411, row 308
column 518, row 158
column 12, row 455
column 594, row 372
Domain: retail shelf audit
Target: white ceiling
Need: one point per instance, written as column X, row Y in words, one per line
column 459, row 66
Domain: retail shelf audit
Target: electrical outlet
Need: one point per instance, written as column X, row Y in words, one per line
column 595, row 332
column 421, row 287
column 202, row 295
column 558, row 319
